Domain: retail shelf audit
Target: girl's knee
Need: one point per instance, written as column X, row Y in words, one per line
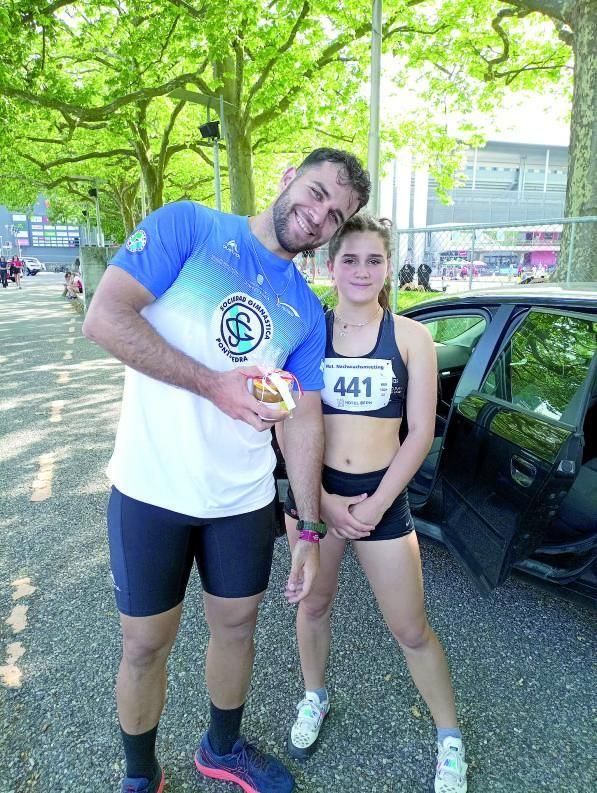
column 413, row 636
column 317, row 607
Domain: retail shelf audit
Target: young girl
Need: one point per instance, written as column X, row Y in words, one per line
column 377, row 364
column 16, row 269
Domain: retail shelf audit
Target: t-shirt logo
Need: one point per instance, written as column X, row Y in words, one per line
column 244, row 324
column 232, row 247
column 137, row 241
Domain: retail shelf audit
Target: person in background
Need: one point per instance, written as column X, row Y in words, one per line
column 3, row 271
column 423, row 275
column 77, row 282
column 16, row 269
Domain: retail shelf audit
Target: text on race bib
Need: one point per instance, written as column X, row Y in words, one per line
column 357, row 384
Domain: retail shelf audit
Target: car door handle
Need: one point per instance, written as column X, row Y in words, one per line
column 522, row 471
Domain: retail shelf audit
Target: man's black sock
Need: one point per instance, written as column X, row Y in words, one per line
column 224, row 728
column 139, row 751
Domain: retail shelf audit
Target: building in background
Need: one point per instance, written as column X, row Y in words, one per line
column 503, row 182
column 32, row 234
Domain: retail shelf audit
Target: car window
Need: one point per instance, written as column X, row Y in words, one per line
column 463, row 331
column 544, row 366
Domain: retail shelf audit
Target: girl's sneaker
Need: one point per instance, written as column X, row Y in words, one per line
column 450, row 774
column 304, row 733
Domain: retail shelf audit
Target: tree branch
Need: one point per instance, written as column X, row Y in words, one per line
column 409, row 29
column 59, row 141
column 239, row 70
column 565, row 34
column 166, row 136
column 98, row 155
column 326, row 57
column 103, row 112
column 556, row 9
column 73, row 191
column 258, row 84
column 47, row 11
column 198, row 150
column 496, row 24
column 532, row 66
column 325, row 133
column 163, row 48
column 191, row 10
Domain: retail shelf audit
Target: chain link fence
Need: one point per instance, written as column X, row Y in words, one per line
column 459, row 257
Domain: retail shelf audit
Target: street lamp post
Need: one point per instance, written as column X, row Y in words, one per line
column 211, row 131
column 93, row 193
column 373, row 147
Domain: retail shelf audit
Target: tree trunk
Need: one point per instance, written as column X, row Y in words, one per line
column 127, row 212
column 240, row 166
column 154, row 186
column 578, row 254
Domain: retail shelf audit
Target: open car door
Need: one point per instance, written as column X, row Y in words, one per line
column 513, row 445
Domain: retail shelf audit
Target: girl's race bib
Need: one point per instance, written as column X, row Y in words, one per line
column 358, row 385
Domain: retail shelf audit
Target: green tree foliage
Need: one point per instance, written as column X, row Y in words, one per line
column 103, row 79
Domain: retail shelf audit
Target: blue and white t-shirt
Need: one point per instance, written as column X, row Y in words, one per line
column 177, row 450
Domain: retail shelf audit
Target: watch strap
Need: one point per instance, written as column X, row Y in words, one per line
column 318, row 527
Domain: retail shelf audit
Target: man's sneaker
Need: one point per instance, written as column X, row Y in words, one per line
column 254, row 771
column 142, row 785
column 304, row 733
column 450, row 774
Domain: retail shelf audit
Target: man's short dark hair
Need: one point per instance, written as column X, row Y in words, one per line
column 351, row 171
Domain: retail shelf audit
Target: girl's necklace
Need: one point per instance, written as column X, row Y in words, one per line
column 277, row 294
column 346, row 324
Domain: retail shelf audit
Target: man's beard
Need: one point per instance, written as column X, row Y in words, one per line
column 281, row 216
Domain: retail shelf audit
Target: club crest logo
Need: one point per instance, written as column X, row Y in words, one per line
column 137, row 241
column 243, row 325
column 232, row 247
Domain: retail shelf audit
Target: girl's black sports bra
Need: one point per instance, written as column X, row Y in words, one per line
column 371, row 385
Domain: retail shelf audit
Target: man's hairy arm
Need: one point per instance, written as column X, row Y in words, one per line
column 115, row 323
column 303, row 442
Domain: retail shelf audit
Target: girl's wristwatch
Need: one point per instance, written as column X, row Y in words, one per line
column 310, row 525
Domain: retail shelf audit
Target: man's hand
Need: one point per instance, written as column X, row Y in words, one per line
column 337, row 512
column 229, row 392
column 304, row 569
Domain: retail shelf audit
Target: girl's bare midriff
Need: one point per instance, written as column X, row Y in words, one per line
column 359, row 444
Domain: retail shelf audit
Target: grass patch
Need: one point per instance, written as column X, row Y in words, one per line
column 327, row 295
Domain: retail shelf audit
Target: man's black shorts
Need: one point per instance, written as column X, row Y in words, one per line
column 396, row 521
column 152, row 552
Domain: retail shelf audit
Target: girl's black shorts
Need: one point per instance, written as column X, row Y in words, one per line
column 397, row 520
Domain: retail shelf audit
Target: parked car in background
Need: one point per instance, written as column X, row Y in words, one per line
column 511, row 478
column 33, row 265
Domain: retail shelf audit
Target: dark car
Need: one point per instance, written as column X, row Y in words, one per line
column 511, row 478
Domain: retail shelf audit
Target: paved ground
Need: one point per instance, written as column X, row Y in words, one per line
column 521, row 659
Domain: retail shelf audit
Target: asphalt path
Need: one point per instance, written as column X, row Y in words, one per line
column 522, row 660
